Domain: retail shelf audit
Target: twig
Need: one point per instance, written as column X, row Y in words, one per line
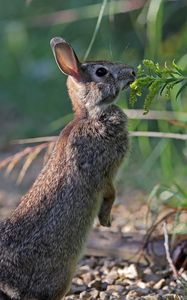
column 168, row 135
column 13, row 160
column 149, row 233
column 155, row 115
column 168, row 256
column 30, row 153
column 41, row 139
column 147, row 236
column 15, row 157
column 131, row 114
column 30, row 157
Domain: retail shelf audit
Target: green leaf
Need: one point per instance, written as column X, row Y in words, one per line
column 181, row 190
column 181, row 89
column 162, row 89
column 179, row 69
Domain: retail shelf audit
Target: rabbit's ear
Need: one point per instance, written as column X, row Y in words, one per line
column 65, row 57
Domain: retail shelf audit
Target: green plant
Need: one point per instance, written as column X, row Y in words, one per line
column 172, row 197
column 175, row 196
column 156, row 79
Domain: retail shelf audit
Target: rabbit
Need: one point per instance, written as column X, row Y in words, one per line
column 42, row 240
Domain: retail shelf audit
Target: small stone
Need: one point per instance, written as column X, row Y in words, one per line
column 90, row 295
column 172, row 297
column 129, row 272
column 132, row 286
column 85, row 295
column 94, row 293
column 77, row 289
column 139, row 291
column 115, row 288
column 159, row 284
column 83, row 269
column 120, row 262
column 184, row 276
column 132, row 295
column 77, row 281
column 148, row 276
column 108, row 265
column 165, row 289
column 87, row 277
column 124, row 282
column 152, row 297
column 96, row 273
column 104, row 296
column 104, row 270
column 142, row 291
column 141, row 284
column 111, row 277
column 173, row 284
column 98, row 284
column 90, row 262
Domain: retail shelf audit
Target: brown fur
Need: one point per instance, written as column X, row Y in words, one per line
column 42, row 240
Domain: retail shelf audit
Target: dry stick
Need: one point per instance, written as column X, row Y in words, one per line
column 131, row 114
column 14, row 159
column 30, row 153
column 18, row 156
column 30, row 157
column 151, row 134
column 147, row 237
column 168, row 135
column 150, row 231
column 35, row 140
column 155, row 115
column 168, row 256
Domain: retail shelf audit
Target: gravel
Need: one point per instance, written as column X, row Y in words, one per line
column 108, row 278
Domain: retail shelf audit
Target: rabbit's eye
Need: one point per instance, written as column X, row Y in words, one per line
column 101, row 72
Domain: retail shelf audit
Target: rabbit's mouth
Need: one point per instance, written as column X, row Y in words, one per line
column 126, row 77
column 126, row 83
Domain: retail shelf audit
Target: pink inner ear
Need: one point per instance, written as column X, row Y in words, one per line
column 67, row 59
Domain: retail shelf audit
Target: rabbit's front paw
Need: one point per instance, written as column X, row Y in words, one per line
column 105, row 219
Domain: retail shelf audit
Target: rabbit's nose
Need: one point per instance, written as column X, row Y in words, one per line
column 133, row 73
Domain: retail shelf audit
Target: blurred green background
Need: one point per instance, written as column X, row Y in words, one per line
column 33, row 96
